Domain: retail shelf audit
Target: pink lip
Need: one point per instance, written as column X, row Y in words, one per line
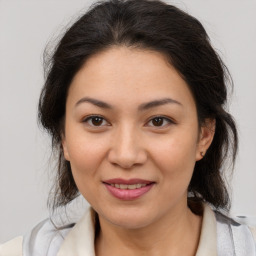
column 127, row 182
column 128, row 194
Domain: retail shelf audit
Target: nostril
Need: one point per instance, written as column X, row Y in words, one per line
column 127, row 159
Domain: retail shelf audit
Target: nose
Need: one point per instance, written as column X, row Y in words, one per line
column 127, row 149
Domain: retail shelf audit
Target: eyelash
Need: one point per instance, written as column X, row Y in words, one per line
column 90, row 119
column 167, row 121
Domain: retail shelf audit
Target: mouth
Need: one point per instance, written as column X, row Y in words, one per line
column 128, row 189
column 128, row 184
column 125, row 186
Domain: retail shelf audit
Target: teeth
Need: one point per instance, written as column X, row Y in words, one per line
column 125, row 186
column 132, row 186
column 140, row 185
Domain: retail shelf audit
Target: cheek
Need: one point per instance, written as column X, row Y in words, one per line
column 84, row 164
column 176, row 163
column 175, row 157
column 85, row 158
column 176, row 151
column 84, row 149
column 86, row 155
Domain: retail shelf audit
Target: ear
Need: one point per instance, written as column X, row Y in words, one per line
column 206, row 135
column 65, row 148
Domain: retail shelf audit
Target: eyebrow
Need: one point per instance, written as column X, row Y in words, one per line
column 95, row 102
column 156, row 103
column 144, row 106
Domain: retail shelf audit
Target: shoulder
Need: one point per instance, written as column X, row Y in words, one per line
column 253, row 230
column 44, row 239
column 12, row 247
column 235, row 234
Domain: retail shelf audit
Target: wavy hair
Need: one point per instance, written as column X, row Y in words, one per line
column 157, row 26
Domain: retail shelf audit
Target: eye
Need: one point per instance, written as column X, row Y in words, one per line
column 95, row 121
column 159, row 121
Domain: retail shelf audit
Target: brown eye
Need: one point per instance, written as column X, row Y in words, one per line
column 95, row 121
column 158, row 121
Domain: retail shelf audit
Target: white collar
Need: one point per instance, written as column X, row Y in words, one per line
column 208, row 238
column 80, row 240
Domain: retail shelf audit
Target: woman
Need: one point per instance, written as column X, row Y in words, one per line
column 134, row 101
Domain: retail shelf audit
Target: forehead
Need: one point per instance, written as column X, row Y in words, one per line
column 128, row 75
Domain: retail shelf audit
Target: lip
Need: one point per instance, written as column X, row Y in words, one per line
column 128, row 194
column 127, row 182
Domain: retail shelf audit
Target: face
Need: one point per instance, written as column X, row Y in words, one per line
column 132, row 136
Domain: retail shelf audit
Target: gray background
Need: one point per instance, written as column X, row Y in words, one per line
column 25, row 29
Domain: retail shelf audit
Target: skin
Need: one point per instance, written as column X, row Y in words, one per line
column 128, row 143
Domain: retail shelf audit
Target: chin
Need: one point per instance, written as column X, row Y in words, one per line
column 129, row 218
column 132, row 222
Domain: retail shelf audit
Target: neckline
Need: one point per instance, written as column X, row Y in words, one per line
column 80, row 240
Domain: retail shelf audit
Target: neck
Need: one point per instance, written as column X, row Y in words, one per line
column 177, row 233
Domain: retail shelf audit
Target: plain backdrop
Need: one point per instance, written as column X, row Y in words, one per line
column 25, row 29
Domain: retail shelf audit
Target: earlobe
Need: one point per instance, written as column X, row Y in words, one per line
column 65, row 149
column 206, row 137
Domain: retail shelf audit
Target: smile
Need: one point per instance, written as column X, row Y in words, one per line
column 125, row 186
column 128, row 189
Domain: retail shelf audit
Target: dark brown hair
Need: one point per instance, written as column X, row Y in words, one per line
column 160, row 27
